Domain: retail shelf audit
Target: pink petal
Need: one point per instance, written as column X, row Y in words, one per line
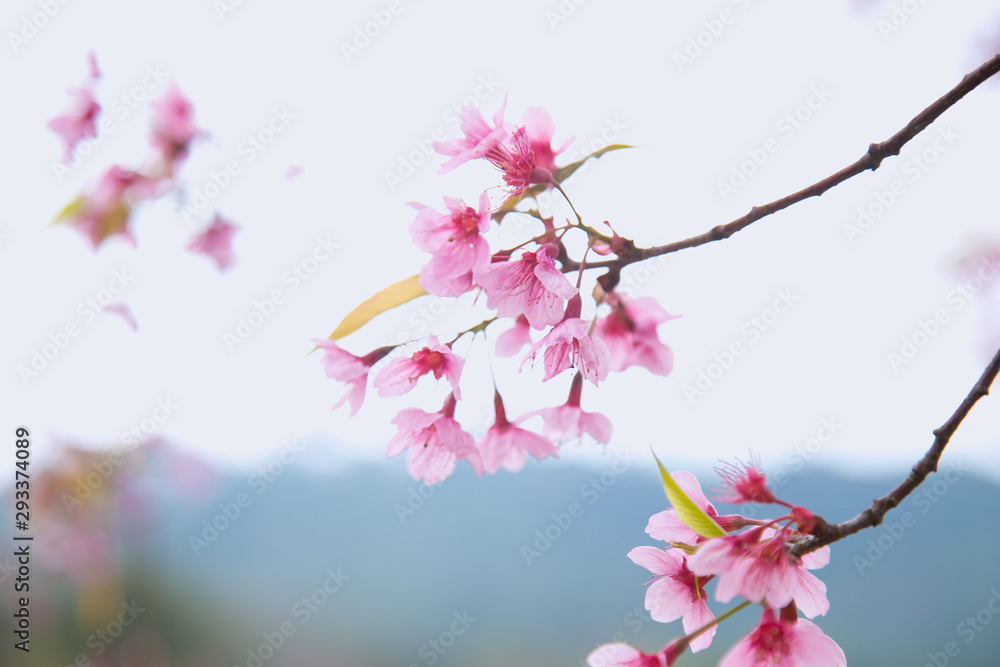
column 810, row 594
column 657, row 561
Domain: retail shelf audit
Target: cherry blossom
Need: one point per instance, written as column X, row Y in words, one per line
column 630, row 334
column 675, row 592
column 400, row 375
column 756, row 565
column 506, row 445
column 79, row 120
column 455, row 241
column 523, row 154
column 106, row 210
column 539, row 130
column 623, row 655
column 531, row 286
column 173, row 127
column 216, row 242
column 512, row 341
column 476, row 130
column 781, row 642
column 745, row 483
column 436, row 442
column 568, row 422
column 570, row 344
column 350, row 369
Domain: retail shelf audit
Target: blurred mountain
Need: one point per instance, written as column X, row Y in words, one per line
column 368, row 568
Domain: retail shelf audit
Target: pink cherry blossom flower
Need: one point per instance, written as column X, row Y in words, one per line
column 745, row 483
column 513, row 156
column 78, row 121
column 568, row 422
column 570, row 344
column 216, row 242
column 173, row 127
column 777, row 642
column 400, row 375
column 436, row 443
column 668, row 527
column 106, row 210
column 630, row 334
column 506, row 445
column 513, row 340
column 476, row 130
column 510, row 149
column 756, row 565
column 345, row 367
column 539, row 130
column 623, row 655
column 675, row 592
column 531, row 286
column 455, row 240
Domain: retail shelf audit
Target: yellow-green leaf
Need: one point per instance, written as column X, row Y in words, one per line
column 69, row 210
column 394, row 295
column 565, row 172
column 693, row 516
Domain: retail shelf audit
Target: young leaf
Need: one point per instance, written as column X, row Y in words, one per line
column 69, row 210
column 394, row 295
column 565, row 172
column 693, row 516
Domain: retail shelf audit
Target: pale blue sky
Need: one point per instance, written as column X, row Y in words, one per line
column 800, row 89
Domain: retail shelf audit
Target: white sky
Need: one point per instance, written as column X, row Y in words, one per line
column 608, row 68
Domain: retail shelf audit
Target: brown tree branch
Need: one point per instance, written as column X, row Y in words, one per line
column 828, row 533
column 870, row 160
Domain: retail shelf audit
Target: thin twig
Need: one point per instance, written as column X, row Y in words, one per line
column 828, row 533
column 872, row 159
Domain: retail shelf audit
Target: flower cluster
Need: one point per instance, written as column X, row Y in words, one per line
column 527, row 285
column 106, row 209
column 748, row 558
